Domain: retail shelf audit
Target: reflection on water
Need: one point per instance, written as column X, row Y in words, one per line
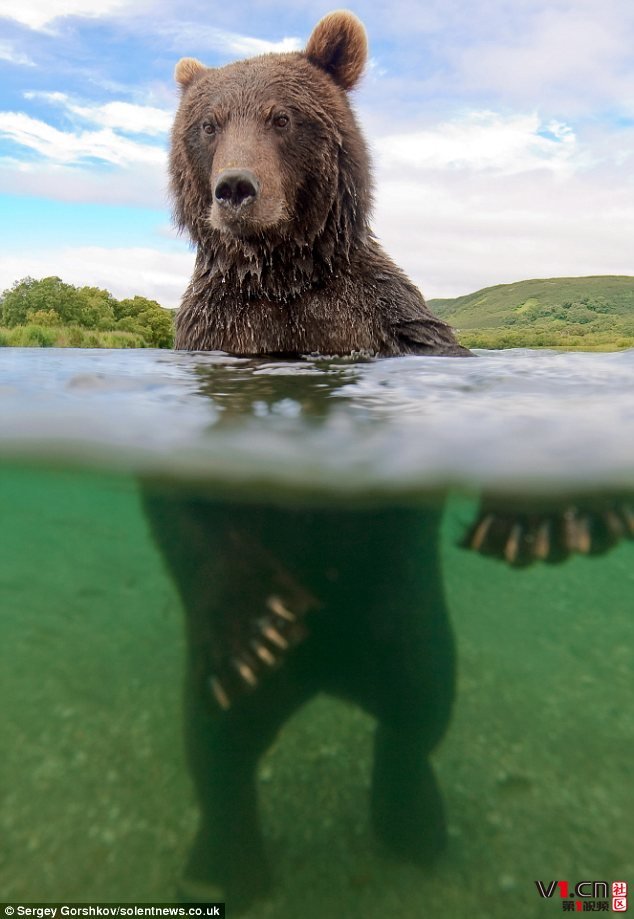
column 308, row 570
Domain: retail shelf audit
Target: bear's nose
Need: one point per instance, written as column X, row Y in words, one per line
column 236, row 188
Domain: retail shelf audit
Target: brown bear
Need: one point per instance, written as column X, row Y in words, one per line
column 283, row 603
column 270, row 177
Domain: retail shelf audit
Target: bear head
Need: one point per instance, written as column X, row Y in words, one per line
column 267, row 162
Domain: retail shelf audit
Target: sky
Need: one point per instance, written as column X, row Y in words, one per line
column 502, row 134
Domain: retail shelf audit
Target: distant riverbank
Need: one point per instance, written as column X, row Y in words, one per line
column 572, row 314
column 576, row 314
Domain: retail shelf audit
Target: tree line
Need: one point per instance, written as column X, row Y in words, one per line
column 50, row 312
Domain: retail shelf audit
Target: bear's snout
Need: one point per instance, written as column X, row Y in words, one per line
column 236, row 188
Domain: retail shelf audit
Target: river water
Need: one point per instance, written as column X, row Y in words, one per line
column 139, row 490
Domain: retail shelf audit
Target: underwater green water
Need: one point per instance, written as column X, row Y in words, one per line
column 97, row 804
column 96, row 799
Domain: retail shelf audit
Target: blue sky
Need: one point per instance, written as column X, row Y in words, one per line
column 502, row 134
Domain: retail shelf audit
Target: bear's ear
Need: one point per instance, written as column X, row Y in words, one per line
column 186, row 70
column 339, row 46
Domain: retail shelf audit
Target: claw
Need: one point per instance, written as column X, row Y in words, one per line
column 274, row 637
column 245, row 671
column 571, row 531
column 263, row 653
column 276, row 606
column 512, row 547
column 220, row 695
column 481, row 532
column 583, row 536
column 542, row 541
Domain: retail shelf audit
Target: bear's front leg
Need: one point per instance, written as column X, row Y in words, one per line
column 227, row 859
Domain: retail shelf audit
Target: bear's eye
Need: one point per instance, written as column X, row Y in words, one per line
column 209, row 128
column 281, row 120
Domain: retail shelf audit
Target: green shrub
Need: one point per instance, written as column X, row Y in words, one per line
column 75, row 337
column 44, row 317
column 79, row 317
column 31, row 336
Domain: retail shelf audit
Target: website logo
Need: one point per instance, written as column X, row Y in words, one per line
column 586, row 896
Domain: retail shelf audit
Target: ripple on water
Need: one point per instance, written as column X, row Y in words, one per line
column 510, row 420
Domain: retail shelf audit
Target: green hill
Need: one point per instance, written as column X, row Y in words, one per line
column 594, row 313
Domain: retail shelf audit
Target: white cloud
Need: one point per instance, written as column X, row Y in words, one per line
column 122, row 116
column 37, row 14
column 151, row 273
column 9, row 53
column 66, row 147
column 458, row 231
column 483, row 141
column 573, row 58
column 489, row 199
column 67, row 167
column 136, row 185
column 564, row 58
column 232, row 44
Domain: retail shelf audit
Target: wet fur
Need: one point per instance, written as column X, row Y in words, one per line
column 305, row 275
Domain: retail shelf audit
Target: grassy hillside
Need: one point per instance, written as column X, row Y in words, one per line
column 594, row 313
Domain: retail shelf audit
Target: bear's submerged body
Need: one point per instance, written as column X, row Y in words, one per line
column 348, row 602
column 270, row 178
